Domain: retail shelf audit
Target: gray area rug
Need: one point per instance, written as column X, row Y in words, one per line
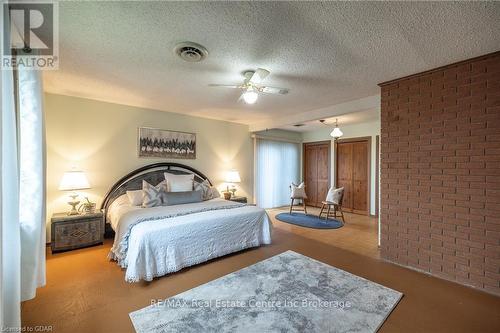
column 285, row 293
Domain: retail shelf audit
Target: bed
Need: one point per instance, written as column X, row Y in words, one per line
column 152, row 242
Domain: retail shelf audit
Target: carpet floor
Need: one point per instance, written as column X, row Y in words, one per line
column 87, row 293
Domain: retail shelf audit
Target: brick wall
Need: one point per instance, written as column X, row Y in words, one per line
column 440, row 172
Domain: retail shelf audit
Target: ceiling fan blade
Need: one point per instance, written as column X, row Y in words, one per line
column 240, row 99
column 259, row 75
column 225, row 86
column 274, row 90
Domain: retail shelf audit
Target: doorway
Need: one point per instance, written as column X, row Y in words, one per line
column 352, row 171
column 316, row 162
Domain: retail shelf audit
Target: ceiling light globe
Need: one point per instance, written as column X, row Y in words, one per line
column 250, row 97
column 336, row 133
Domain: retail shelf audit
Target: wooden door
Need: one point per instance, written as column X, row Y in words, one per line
column 311, row 171
column 353, row 173
column 316, row 171
column 360, row 177
column 323, row 177
column 344, row 172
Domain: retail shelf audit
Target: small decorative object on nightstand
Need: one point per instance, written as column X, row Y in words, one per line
column 71, row 232
column 239, row 199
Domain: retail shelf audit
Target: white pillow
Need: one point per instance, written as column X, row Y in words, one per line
column 135, row 197
column 180, row 186
column 179, row 183
column 298, row 191
column 335, row 195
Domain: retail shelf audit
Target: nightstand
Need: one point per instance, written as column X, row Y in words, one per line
column 71, row 232
column 238, row 199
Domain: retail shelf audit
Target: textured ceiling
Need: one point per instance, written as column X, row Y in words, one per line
column 325, row 52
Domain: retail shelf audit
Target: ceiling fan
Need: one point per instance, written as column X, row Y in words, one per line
column 251, row 86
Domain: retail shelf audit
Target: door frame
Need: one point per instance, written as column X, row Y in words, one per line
column 317, row 143
column 377, row 173
column 368, row 139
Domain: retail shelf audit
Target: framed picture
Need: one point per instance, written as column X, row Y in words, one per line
column 160, row 143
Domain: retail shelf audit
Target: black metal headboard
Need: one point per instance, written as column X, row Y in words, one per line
column 153, row 174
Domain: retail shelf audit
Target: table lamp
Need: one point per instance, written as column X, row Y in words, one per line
column 72, row 181
column 232, row 177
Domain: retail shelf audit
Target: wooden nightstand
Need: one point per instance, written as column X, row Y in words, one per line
column 71, row 232
column 239, row 199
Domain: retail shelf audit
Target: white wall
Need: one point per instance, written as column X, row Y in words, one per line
column 351, row 131
column 101, row 139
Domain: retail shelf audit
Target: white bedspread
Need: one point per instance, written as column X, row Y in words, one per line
column 166, row 239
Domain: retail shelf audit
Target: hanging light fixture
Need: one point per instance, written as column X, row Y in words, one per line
column 336, row 133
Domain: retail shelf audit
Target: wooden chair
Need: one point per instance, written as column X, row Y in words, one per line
column 333, row 199
column 293, row 198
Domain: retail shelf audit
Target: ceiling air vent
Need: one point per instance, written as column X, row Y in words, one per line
column 191, row 52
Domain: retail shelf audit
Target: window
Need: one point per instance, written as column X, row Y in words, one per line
column 277, row 166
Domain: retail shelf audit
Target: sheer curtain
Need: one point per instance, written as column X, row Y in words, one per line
column 277, row 165
column 22, row 206
column 10, row 247
column 32, row 181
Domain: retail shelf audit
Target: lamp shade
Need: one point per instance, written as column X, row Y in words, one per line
column 336, row 133
column 233, row 176
column 74, row 180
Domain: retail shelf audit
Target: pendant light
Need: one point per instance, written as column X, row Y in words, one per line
column 336, row 133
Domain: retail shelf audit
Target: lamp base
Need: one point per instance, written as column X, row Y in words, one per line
column 73, row 210
column 73, row 203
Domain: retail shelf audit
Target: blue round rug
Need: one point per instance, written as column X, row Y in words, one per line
column 309, row 221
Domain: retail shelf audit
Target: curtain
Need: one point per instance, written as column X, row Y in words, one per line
column 277, row 166
column 22, row 205
column 10, row 247
column 32, row 181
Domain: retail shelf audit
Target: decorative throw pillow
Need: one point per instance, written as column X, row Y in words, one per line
column 180, row 198
column 152, row 196
column 214, row 193
column 179, row 183
column 135, row 197
column 298, row 191
column 208, row 191
column 204, row 187
column 335, row 195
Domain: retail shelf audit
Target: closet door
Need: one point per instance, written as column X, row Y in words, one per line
column 344, row 172
column 311, row 172
column 352, row 173
column 316, row 171
column 323, row 178
column 360, row 177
